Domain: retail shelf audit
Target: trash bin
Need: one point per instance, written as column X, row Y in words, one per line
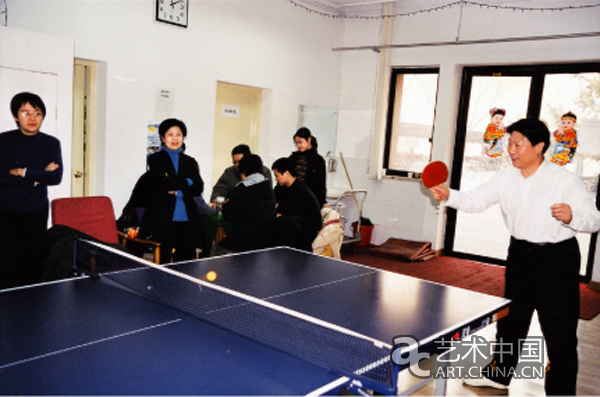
column 365, row 232
column 366, row 229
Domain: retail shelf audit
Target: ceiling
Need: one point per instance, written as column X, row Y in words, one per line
column 374, row 7
column 347, row 7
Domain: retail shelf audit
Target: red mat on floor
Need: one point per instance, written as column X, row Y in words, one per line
column 471, row 275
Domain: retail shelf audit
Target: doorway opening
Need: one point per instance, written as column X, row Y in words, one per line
column 82, row 151
column 237, row 121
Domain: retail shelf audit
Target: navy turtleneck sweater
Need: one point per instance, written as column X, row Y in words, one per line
column 180, row 213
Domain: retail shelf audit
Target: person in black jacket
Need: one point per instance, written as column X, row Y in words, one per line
column 171, row 212
column 30, row 161
column 295, row 199
column 310, row 166
column 250, row 208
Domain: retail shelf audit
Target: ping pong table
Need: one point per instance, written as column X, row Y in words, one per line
column 92, row 335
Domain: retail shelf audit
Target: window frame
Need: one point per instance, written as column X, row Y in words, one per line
column 390, row 118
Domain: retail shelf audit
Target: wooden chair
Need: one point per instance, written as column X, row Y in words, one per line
column 94, row 216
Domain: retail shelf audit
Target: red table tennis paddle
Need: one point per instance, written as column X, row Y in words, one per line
column 434, row 173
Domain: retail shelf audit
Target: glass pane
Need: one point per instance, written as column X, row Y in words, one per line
column 485, row 154
column 575, row 93
column 414, row 115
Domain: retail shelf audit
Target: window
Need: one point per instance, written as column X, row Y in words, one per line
column 541, row 91
column 411, row 115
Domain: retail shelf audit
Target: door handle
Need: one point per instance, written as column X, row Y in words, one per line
column 78, row 174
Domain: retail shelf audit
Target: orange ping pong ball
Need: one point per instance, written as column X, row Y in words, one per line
column 211, row 276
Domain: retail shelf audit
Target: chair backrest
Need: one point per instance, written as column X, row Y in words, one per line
column 90, row 215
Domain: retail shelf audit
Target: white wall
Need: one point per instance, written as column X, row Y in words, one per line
column 263, row 43
column 288, row 51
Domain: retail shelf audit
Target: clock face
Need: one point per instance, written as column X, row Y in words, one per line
column 172, row 11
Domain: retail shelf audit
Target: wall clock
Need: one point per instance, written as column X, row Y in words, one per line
column 172, row 11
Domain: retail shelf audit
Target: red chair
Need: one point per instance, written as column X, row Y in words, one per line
column 94, row 216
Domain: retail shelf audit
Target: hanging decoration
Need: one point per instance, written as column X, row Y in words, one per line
column 565, row 138
column 494, row 134
column 299, row 3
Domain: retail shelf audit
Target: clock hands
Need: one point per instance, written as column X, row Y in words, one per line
column 175, row 14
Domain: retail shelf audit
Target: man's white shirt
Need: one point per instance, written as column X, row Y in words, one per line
column 526, row 202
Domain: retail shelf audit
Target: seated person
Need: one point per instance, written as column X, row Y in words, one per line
column 134, row 209
column 231, row 176
column 250, row 208
column 294, row 198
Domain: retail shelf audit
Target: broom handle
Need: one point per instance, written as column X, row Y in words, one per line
column 351, row 187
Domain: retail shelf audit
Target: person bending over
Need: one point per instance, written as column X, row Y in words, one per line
column 250, row 208
column 231, row 176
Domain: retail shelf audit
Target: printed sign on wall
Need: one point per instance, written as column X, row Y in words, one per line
column 230, row 111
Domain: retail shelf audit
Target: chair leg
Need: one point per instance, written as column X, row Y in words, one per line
column 157, row 255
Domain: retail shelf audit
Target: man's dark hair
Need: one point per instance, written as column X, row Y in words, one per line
column 250, row 164
column 23, row 98
column 282, row 165
column 168, row 123
column 534, row 130
column 241, row 149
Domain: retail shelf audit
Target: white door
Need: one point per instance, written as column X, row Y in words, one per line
column 48, row 74
column 14, row 81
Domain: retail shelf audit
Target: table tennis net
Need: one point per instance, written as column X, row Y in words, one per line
column 319, row 343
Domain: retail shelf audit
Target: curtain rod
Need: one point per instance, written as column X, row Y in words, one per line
column 378, row 48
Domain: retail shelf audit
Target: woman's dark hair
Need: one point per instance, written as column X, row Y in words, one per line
column 168, row 123
column 534, row 130
column 26, row 97
column 305, row 133
column 250, row 164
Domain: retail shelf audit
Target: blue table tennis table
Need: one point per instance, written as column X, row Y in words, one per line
column 91, row 335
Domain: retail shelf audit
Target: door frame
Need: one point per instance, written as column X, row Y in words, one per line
column 85, row 134
column 537, row 74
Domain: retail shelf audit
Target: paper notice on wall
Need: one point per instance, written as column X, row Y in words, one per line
column 153, row 140
column 164, row 107
column 230, row 111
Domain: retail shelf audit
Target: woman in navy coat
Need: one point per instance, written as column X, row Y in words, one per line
column 171, row 213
